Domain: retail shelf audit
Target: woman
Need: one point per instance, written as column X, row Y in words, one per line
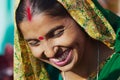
column 54, row 37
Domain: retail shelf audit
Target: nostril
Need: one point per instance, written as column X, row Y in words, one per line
column 43, row 56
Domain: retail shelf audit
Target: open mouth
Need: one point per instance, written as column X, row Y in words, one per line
column 63, row 58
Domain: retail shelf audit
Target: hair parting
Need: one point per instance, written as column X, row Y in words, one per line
column 28, row 10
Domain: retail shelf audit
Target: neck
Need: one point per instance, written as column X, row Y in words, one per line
column 89, row 63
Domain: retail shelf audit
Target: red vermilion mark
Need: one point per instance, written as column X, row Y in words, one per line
column 29, row 16
column 41, row 38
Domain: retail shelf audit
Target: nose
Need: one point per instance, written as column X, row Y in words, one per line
column 50, row 50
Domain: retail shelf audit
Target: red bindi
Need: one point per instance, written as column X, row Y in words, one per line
column 41, row 38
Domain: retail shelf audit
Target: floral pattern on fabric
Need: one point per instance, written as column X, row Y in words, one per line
column 26, row 67
column 91, row 19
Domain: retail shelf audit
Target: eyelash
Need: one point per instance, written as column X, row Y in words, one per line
column 59, row 33
column 36, row 43
column 33, row 43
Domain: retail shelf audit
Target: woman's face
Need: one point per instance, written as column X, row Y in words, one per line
column 62, row 44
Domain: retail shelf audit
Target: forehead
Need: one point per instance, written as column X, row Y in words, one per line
column 39, row 21
column 40, row 24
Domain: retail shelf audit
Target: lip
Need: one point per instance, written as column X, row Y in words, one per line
column 64, row 59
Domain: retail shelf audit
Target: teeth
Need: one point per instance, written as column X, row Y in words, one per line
column 56, row 60
column 63, row 57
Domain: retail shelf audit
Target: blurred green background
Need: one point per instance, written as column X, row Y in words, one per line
column 6, row 24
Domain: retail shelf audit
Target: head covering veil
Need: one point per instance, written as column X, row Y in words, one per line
column 86, row 14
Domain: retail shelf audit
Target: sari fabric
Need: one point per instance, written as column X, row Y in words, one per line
column 86, row 14
column 111, row 70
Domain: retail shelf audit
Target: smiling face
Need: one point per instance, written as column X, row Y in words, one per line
column 62, row 40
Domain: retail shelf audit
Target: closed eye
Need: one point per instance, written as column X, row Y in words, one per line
column 55, row 32
column 58, row 33
column 33, row 43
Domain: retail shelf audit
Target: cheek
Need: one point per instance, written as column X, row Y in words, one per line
column 68, row 38
column 36, row 51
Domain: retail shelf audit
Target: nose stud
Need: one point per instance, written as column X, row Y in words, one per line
column 41, row 38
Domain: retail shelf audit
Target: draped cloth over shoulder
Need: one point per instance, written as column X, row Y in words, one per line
column 86, row 14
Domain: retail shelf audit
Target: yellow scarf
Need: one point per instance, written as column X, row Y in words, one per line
column 26, row 67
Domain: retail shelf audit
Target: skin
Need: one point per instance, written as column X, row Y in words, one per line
column 67, row 36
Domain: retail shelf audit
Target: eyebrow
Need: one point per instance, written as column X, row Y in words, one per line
column 54, row 29
column 48, row 33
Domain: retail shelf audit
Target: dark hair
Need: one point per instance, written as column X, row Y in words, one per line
column 50, row 7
